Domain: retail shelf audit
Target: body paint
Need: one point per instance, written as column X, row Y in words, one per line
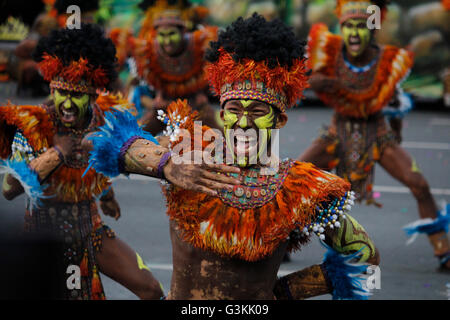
column 141, row 263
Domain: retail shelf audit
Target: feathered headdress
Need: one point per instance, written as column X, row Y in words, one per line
column 258, row 60
column 348, row 9
column 171, row 12
column 81, row 60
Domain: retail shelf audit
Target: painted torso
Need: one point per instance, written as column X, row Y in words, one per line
column 244, row 232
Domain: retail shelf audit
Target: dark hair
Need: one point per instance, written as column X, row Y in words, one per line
column 88, row 42
column 144, row 5
column 258, row 39
column 85, row 5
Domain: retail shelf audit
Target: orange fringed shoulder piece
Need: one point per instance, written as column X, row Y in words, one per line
column 206, row 222
column 33, row 121
column 323, row 48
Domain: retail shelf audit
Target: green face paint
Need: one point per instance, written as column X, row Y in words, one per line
column 71, row 109
column 170, row 39
column 356, row 36
column 262, row 124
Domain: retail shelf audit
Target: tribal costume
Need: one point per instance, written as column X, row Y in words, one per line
column 230, row 246
column 358, row 136
column 178, row 74
column 62, row 189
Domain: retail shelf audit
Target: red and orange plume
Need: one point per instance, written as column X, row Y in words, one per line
column 52, row 67
column 284, row 84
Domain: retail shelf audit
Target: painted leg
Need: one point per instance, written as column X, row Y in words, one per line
column 119, row 262
column 399, row 164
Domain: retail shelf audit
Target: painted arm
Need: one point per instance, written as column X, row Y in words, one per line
column 40, row 165
column 109, row 205
column 347, row 241
column 121, row 146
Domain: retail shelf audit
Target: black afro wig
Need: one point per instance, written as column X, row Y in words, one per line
column 257, row 39
column 88, row 42
column 85, row 5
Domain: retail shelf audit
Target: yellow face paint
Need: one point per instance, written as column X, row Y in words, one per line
column 141, row 263
column 243, row 123
column 356, row 28
column 246, row 103
column 67, row 101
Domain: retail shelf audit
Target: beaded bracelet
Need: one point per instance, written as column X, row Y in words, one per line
column 327, row 218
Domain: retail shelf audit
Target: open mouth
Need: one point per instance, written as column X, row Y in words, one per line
column 245, row 145
column 354, row 43
column 68, row 116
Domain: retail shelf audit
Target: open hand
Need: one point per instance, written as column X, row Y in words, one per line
column 207, row 178
column 110, row 208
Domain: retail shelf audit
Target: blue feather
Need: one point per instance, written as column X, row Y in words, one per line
column 27, row 178
column 344, row 276
column 429, row 226
column 119, row 127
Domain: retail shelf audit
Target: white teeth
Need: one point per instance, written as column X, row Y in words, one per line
column 68, row 113
column 245, row 138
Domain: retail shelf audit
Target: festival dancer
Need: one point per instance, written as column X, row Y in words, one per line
column 361, row 80
column 230, row 246
column 47, row 160
column 169, row 54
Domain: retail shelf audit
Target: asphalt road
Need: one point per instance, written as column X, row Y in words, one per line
column 407, row 272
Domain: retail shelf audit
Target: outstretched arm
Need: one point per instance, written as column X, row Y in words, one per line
column 123, row 147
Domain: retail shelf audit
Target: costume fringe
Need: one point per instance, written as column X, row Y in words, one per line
column 345, row 277
column 428, row 225
column 33, row 121
column 291, row 82
column 27, row 178
column 250, row 234
column 52, row 66
column 119, row 127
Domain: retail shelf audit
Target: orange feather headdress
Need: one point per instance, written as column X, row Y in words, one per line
column 77, row 76
column 281, row 86
column 178, row 14
column 348, row 9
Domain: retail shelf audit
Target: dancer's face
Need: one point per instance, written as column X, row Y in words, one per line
column 248, row 128
column 356, row 36
column 170, row 39
column 71, row 107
